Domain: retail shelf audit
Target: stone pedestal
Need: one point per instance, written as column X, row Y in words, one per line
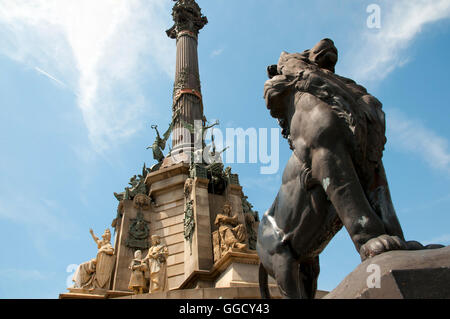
column 76, row 293
column 234, row 269
column 417, row 274
column 238, row 270
column 208, row 293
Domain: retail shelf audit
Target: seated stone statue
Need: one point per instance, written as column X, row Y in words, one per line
column 232, row 234
column 137, row 279
column 157, row 265
column 96, row 273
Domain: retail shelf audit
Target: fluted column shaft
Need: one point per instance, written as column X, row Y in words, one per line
column 187, row 98
column 187, row 92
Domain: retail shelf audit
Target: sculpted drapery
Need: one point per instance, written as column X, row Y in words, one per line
column 157, row 265
column 96, row 273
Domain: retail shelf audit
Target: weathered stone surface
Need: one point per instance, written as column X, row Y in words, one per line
column 403, row 274
column 76, row 293
column 214, row 293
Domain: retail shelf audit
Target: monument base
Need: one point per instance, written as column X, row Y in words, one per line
column 235, row 269
column 80, row 293
column 208, row 293
column 419, row 274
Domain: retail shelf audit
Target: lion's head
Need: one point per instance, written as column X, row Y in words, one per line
column 288, row 75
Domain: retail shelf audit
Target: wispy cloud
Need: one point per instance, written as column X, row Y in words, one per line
column 216, row 52
column 412, row 136
column 99, row 49
column 383, row 50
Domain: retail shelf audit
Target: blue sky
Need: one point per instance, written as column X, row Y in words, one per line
column 82, row 81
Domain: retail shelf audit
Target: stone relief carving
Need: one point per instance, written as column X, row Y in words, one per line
column 138, row 233
column 231, row 234
column 156, row 260
column 188, row 188
column 142, row 201
column 96, row 273
column 189, row 223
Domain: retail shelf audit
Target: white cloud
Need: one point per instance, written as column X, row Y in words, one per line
column 98, row 48
column 412, row 136
column 216, row 52
column 383, row 50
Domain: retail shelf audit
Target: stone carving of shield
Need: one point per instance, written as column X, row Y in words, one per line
column 105, row 265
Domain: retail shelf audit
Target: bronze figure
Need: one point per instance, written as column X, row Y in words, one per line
column 335, row 176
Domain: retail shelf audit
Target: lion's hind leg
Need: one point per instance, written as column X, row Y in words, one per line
column 287, row 274
column 296, row 280
column 309, row 273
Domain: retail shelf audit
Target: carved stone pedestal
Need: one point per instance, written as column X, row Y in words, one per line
column 238, row 269
column 234, row 269
column 419, row 274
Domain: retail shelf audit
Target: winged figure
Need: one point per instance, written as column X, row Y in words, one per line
column 159, row 144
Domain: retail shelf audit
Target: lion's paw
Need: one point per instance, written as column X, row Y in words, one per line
column 415, row 245
column 381, row 244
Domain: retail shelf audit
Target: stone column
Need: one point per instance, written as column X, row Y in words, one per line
column 187, row 98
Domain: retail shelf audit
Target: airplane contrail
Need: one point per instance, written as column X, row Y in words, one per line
column 49, row 76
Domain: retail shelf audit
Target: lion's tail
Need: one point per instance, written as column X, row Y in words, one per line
column 263, row 282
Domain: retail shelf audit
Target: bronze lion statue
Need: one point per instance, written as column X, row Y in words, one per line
column 335, row 176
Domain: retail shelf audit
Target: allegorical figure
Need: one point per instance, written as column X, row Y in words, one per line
column 157, row 265
column 96, row 273
column 232, row 233
column 138, row 268
column 335, row 175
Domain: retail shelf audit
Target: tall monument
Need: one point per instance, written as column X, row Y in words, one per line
column 205, row 226
column 187, row 97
